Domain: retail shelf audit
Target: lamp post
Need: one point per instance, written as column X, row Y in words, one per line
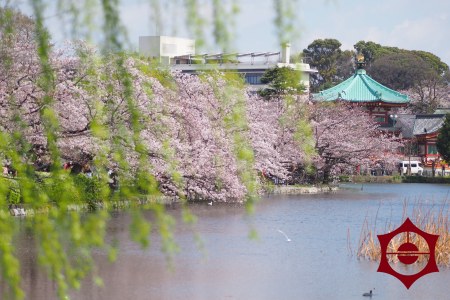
column 394, row 119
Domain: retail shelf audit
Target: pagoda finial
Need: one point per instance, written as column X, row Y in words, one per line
column 360, row 62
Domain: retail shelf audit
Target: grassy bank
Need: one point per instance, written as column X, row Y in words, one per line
column 302, row 189
column 86, row 195
column 393, row 179
column 421, row 179
column 370, row 179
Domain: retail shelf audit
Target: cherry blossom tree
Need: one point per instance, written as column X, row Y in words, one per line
column 184, row 136
column 181, row 124
column 21, row 98
column 197, row 138
column 347, row 137
column 427, row 95
column 273, row 129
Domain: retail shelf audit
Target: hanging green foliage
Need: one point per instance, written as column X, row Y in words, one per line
column 87, row 130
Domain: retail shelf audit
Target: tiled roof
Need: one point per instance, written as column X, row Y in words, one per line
column 425, row 124
column 406, row 124
column 361, row 88
column 411, row 125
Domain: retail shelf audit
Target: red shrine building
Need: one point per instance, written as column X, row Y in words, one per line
column 419, row 132
column 380, row 101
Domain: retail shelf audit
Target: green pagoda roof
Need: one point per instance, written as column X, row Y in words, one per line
column 361, row 88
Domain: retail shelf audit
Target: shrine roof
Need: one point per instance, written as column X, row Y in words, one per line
column 426, row 124
column 361, row 88
column 406, row 124
column 413, row 125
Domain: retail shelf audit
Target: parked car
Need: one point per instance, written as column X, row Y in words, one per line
column 416, row 167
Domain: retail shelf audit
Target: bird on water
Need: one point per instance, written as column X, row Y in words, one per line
column 285, row 235
column 369, row 294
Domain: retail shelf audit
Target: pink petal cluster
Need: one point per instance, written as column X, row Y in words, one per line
column 183, row 122
column 346, row 138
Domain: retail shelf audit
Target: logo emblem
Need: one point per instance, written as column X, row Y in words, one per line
column 408, row 253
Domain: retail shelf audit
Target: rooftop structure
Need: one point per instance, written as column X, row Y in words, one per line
column 415, row 125
column 251, row 65
column 361, row 88
column 427, row 124
column 165, row 48
column 422, row 131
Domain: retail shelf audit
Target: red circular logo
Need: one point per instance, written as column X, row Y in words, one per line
column 408, row 253
column 404, row 253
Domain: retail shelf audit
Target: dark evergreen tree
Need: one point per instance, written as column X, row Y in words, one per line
column 443, row 140
column 327, row 57
column 400, row 71
column 282, row 81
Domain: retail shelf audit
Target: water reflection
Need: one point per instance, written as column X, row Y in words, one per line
column 315, row 264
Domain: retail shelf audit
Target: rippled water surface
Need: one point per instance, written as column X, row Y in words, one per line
column 316, row 264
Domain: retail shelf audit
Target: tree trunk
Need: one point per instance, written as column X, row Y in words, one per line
column 326, row 175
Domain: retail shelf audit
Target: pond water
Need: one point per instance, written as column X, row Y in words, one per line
column 316, row 264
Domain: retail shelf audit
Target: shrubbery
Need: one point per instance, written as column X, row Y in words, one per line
column 423, row 179
column 82, row 190
column 12, row 190
column 90, row 188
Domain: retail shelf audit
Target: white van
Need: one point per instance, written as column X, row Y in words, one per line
column 416, row 167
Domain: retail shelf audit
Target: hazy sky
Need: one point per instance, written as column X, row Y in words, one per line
column 408, row 24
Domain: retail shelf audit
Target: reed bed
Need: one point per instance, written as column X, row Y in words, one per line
column 432, row 219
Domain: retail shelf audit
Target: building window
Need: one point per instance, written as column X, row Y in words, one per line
column 253, row 78
column 421, row 149
column 380, row 119
column 432, row 149
column 411, row 148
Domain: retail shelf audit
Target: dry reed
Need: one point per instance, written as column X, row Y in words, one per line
column 433, row 220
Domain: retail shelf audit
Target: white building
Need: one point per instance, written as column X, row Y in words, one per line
column 179, row 53
column 165, row 47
